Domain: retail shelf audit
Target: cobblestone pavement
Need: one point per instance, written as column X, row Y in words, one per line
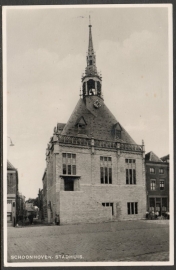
column 140, row 240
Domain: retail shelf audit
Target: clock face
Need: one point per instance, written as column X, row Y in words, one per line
column 97, row 104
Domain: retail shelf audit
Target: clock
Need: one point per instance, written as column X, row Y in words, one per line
column 97, row 104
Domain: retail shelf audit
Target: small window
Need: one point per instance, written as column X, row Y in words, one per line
column 152, row 170
column 161, row 171
column 132, row 208
column 161, row 184
column 130, row 160
column 153, row 184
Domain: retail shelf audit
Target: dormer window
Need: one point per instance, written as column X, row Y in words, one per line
column 117, row 131
column 81, row 125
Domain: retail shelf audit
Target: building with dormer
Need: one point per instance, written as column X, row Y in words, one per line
column 95, row 171
column 157, row 183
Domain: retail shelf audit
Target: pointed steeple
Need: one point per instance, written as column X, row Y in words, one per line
column 91, row 79
column 91, row 68
column 90, row 47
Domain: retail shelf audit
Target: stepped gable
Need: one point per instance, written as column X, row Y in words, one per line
column 152, row 157
column 99, row 123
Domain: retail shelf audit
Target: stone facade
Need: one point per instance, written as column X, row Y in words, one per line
column 95, row 172
column 85, row 202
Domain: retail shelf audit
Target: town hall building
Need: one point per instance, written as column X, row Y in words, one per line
column 95, row 171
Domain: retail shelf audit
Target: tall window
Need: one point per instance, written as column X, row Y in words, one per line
column 105, row 170
column 130, row 171
column 161, row 171
column 69, row 163
column 153, row 184
column 132, row 208
column 130, row 176
column 152, row 170
column 161, row 184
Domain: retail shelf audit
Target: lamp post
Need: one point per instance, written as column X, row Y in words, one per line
column 11, row 143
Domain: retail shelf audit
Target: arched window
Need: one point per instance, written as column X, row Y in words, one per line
column 91, row 87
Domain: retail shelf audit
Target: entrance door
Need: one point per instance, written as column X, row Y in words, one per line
column 158, row 208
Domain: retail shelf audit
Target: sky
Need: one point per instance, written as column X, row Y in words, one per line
column 45, row 56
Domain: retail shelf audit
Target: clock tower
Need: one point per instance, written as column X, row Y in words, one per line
column 91, row 79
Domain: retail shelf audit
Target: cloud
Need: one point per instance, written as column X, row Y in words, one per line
column 42, row 66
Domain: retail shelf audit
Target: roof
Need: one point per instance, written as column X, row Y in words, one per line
column 100, row 121
column 10, row 166
column 60, row 125
column 165, row 158
column 152, row 157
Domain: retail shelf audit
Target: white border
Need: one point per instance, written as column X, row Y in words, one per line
column 170, row 38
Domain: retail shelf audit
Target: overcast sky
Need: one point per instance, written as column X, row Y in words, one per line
column 46, row 56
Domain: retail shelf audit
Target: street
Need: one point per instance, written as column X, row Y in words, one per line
column 142, row 240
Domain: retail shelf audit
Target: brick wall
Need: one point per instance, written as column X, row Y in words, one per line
column 156, row 176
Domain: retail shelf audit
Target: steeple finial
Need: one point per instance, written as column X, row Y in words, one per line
column 90, row 22
column 90, row 47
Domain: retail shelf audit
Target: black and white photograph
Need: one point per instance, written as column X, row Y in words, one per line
column 88, row 135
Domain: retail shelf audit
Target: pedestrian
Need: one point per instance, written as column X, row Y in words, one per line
column 57, row 219
column 30, row 218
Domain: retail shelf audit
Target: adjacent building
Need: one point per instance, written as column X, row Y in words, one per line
column 12, row 192
column 94, row 169
column 20, row 206
column 157, row 183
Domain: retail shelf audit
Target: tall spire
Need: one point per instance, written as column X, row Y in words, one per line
column 90, row 47
column 91, row 68
column 91, row 80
